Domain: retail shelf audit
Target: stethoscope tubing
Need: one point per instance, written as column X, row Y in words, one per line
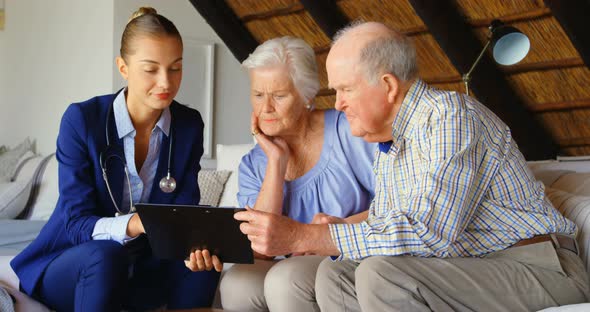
column 167, row 184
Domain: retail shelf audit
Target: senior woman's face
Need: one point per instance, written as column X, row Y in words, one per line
column 275, row 101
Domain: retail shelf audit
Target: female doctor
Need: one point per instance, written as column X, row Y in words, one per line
column 137, row 145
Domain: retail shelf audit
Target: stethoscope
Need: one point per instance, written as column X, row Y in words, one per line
column 167, row 183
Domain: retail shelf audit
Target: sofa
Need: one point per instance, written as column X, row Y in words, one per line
column 567, row 181
column 28, row 198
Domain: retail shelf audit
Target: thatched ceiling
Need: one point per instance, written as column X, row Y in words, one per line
column 545, row 98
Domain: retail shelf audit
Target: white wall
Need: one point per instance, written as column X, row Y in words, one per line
column 56, row 52
column 231, row 119
column 52, row 53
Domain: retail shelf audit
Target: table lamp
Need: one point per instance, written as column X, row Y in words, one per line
column 509, row 46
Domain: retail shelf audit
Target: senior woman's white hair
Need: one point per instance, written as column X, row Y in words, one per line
column 299, row 58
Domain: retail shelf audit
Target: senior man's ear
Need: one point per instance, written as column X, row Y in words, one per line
column 391, row 85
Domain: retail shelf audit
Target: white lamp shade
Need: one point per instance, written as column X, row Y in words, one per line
column 511, row 48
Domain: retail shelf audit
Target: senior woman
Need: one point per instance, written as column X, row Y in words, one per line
column 306, row 165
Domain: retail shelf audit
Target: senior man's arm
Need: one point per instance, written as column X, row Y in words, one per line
column 274, row 235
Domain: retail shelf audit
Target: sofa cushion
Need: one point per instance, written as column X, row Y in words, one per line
column 580, row 307
column 24, row 302
column 211, row 184
column 575, row 183
column 229, row 158
column 6, row 303
column 47, row 192
column 548, row 177
column 577, row 209
column 15, row 235
column 13, row 198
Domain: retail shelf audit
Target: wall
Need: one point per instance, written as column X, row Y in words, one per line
column 52, row 53
column 231, row 121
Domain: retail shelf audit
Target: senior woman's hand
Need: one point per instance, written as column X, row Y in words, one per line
column 275, row 148
column 202, row 260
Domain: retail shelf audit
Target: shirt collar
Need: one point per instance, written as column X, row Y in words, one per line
column 404, row 120
column 123, row 120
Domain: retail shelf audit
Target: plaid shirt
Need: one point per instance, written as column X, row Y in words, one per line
column 452, row 184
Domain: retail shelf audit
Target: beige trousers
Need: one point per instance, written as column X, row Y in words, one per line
column 285, row 285
column 526, row 278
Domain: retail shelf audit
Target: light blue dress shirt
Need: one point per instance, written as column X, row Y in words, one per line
column 115, row 228
column 340, row 184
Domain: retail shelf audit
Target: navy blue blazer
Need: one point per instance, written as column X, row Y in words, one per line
column 83, row 196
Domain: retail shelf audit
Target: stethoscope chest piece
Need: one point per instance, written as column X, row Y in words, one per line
column 168, row 184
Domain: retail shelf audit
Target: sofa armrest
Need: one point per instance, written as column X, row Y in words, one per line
column 36, row 182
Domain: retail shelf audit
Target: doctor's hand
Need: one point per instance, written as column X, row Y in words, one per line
column 274, row 148
column 202, row 260
column 135, row 227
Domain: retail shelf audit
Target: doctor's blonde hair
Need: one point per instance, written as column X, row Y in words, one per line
column 146, row 22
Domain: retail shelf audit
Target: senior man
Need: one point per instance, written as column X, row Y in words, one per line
column 458, row 222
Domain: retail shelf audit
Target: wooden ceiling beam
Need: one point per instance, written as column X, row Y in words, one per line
column 291, row 9
column 573, row 17
column 561, row 106
column 543, row 65
column 227, row 26
column 323, row 92
column 512, row 18
column 326, row 14
column 455, row 37
column 516, row 69
column 574, row 142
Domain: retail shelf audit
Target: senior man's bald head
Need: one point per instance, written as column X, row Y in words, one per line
column 377, row 49
column 371, row 67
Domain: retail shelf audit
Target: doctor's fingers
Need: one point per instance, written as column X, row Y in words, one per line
column 196, row 261
column 191, row 263
column 217, row 264
column 208, row 260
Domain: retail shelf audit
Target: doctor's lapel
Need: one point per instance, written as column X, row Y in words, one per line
column 116, row 169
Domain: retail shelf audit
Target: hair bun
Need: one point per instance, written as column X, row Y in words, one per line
column 142, row 11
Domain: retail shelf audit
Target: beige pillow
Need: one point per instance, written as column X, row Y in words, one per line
column 6, row 303
column 211, row 184
column 9, row 159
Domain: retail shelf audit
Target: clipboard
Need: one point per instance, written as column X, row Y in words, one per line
column 174, row 231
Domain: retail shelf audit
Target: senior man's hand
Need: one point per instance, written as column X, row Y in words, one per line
column 270, row 234
column 322, row 218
